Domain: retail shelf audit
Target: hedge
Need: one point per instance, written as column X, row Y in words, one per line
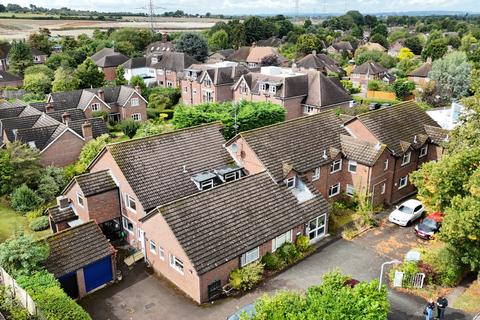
column 50, row 298
column 39, row 223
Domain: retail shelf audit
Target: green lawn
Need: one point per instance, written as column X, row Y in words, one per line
column 10, row 221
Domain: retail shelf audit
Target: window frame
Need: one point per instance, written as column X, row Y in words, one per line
column 385, row 165
column 288, row 238
column 422, row 152
column 161, row 253
column 317, row 227
column 137, row 102
column 80, row 200
column 383, row 188
column 406, row 155
column 236, row 175
column 176, row 264
column 330, row 195
column 208, row 182
column 334, row 163
column 244, row 256
column 352, row 163
column 125, row 220
column 136, row 115
column 316, row 174
column 152, row 244
column 128, row 200
column 400, row 185
column 95, row 106
column 291, row 182
column 308, row 109
column 350, row 187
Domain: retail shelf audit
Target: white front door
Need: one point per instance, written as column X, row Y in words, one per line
column 141, row 239
column 316, row 228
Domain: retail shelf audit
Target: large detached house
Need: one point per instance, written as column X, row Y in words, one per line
column 121, row 102
column 107, row 60
column 320, row 62
column 369, row 71
column 420, row 76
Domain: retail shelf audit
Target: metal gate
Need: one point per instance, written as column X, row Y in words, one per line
column 414, row 281
column 98, row 273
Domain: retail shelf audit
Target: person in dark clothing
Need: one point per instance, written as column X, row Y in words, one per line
column 428, row 312
column 442, row 304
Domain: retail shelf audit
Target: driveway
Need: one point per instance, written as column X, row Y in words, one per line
column 143, row 296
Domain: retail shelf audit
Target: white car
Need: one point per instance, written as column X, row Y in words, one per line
column 407, row 212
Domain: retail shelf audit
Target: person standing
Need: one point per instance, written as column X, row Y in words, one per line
column 428, row 312
column 442, row 304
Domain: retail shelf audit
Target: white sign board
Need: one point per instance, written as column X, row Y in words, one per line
column 397, row 281
column 413, row 256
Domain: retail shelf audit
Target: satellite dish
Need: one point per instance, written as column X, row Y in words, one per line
column 234, row 148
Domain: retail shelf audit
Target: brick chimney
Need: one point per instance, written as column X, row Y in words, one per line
column 87, row 131
column 66, row 118
column 254, row 44
column 49, row 108
column 101, row 94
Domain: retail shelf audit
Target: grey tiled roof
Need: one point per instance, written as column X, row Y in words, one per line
column 153, row 166
column 75, row 114
column 360, row 150
column 323, row 91
column 436, row 134
column 320, row 62
column 98, row 126
column 270, row 42
column 58, row 215
column 218, row 225
column 10, row 125
column 95, row 182
column 174, row 61
column 369, row 67
column 10, row 112
column 299, row 143
column 397, row 126
column 42, row 136
column 422, row 71
column 108, row 57
column 8, row 77
column 74, row 248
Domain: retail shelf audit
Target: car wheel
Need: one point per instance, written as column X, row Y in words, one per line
column 409, row 222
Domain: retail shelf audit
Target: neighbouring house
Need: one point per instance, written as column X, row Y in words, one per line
column 39, row 56
column 373, row 46
column 369, row 71
column 447, row 118
column 341, row 47
column 256, row 55
column 9, row 80
column 160, row 47
column 170, row 67
column 140, row 66
column 203, row 83
column 395, row 48
column 420, row 76
column 120, row 102
column 220, row 56
column 270, row 42
column 196, row 241
column 299, row 92
column 320, row 62
column 107, row 60
column 373, row 152
column 82, row 259
column 59, row 142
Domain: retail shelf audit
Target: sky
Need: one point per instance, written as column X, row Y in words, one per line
column 261, row 6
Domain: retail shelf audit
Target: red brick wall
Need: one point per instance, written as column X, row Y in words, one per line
column 163, row 78
column 110, row 73
column 71, row 194
column 104, row 206
column 65, row 150
column 128, row 110
column 88, row 110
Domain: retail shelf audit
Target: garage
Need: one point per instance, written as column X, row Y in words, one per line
column 98, row 273
column 69, row 284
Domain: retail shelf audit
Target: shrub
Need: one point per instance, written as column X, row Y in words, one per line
column 303, row 243
column 409, row 269
column 11, row 308
column 130, row 127
column 100, row 114
column 287, row 252
column 246, row 277
column 25, row 199
column 447, row 264
column 39, row 224
column 35, row 213
column 271, row 261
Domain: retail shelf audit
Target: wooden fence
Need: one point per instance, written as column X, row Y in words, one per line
column 19, row 293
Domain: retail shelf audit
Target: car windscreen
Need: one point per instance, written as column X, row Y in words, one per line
column 405, row 209
column 430, row 223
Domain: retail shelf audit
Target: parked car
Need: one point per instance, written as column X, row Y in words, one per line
column 407, row 212
column 374, row 106
column 249, row 310
column 429, row 226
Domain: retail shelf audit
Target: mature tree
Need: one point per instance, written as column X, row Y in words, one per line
column 65, row 80
column 19, row 57
column 193, row 44
column 218, row 40
column 306, row 43
column 139, row 38
column 59, row 59
column 414, row 43
column 453, row 41
column 120, row 76
column 130, row 127
column 127, row 48
column 88, row 75
column 403, row 88
column 284, row 27
column 24, row 199
column 435, row 49
column 405, row 53
column 254, row 29
column 236, row 33
column 357, row 32
column 467, row 43
column 270, row 60
column 382, row 58
column 452, row 75
column 380, row 29
column 90, row 151
column 39, row 68
column 2, row 8
column 380, row 39
column 21, row 254
column 406, row 66
column 370, row 21
column 138, row 81
column 37, row 83
column 358, row 18
column 39, row 40
column 163, row 98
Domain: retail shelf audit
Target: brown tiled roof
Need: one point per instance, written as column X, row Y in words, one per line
column 373, row 46
column 74, row 248
column 299, row 142
column 95, row 182
column 320, row 62
column 218, row 225
column 154, row 166
column 240, row 55
column 258, row 53
column 270, row 42
column 436, row 134
column 98, row 126
column 108, row 57
column 422, row 71
column 175, row 61
column 397, row 125
column 287, row 87
column 324, row 92
column 369, row 67
column 360, row 150
column 58, row 215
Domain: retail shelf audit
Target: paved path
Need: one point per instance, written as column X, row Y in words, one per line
column 142, row 296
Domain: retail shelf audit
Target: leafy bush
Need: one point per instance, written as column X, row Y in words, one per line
column 287, row 252
column 130, row 127
column 403, row 88
column 100, row 114
column 11, row 308
column 246, row 277
column 271, row 261
column 447, row 264
column 49, row 297
column 25, row 199
column 409, row 269
column 303, row 243
column 348, row 85
column 35, row 213
column 39, row 224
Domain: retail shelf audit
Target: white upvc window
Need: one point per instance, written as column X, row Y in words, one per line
column 232, row 176
column 176, row 263
column 403, row 182
column 169, row 84
column 423, row 151
column 334, row 190
column 406, row 158
column 134, row 102
column 128, row 225
column 161, row 253
column 383, row 188
column 243, row 88
column 308, row 109
column 316, row 174
column 352, row 166
column 336, row 166
column 316, row 228
column 350, row 190
column 95, row 106
column 130, row 203
column 194, row 91
column 281, row 239
column 250, row 256
column 207, row 82
column 291, row 182
column 385, row 165
column 273, row 89
column 153, row 247
column 80, row 200
column 205, row 185
column 137, row 116
column 168, row 72
column 263, row 87
column 160, row 72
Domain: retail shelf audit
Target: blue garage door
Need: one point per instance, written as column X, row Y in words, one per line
column 98, row 273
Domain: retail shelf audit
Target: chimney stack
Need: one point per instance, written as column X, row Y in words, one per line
column 49, row 108
column 87, row 131
column 101, row 94
column 66, row 118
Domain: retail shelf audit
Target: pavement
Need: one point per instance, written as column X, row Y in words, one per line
column 141, row 295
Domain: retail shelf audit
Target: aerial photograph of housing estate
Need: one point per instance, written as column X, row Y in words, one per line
column 240, row 160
